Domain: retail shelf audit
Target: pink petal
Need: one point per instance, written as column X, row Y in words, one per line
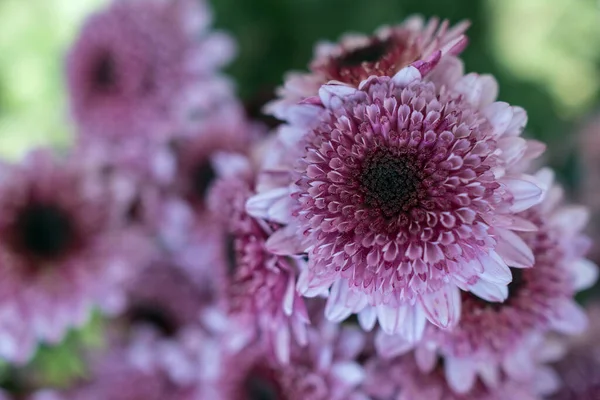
column 495, row 269
column 332, row 94
column 569, row 318
column 571, row 219
column 518, row 122
column 479, row 90
column 335, row 308
column 546, row 381
column 260, row 204
column 461, row 374
column 499, row 115
column 289, row 296
column 490, row 291
column 520, row 364
column 405, row 76
column 282, row 344
column 513, row 250
column 525, row 193
column 286, row 241
column 367, row 318
column 413, row 323
column 388, row 318
column 442, row 307
column 390, row 346
column 349, row 372
column 585, row 274
column 490, row 374
column 426, row 358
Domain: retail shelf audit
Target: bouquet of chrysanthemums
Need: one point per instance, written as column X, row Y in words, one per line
column 393, row 236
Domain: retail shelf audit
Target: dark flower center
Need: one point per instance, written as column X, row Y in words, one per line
column 203, row 175
column 390, row 183
column 155, row 316
column 261, row 384
column 105, row 72
column 370, row 53
column 44, row 230
column 231, row 254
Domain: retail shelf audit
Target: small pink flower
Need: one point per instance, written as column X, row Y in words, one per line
column 356, row 57
column 402, row 192
column 262, row 285
column 129, row 70
column 63, row 250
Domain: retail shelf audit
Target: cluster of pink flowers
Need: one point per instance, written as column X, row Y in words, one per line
column 389, row 240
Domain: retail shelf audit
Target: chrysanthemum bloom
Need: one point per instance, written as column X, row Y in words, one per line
column 356, row 57
column 62, row 251
column 493, row 335
column 401, row 378
column 579, row 370
column 325, row 369
column 129, row 70
column 262, row 285
column 404, row 191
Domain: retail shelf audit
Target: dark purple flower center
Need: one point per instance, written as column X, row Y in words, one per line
column 262, row 384
column 231, row 254
column 370, row 53
column 155, row 316
column 518, row 282
column 105, row 72
column 44, row 231
column 202, row 176
column 390, row 183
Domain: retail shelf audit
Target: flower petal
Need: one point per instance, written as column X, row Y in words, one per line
column 442, row 307
column 585, row 274
column 490, row 291
column 390, row 346
column 569, row 318
column 495, row 269
column 513, row 250
column 285, row 241
column 460, row 373
column 525, row 193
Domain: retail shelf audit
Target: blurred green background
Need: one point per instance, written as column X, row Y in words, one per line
column 543, row 52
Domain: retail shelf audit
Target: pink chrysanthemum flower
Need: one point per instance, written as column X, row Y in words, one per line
column 404, row 191
column 579, row 370
column 262, row 285
column 129, row 70
column 401, row 378
column 357, row 56
column 325, row 369
column 62, row 250
column 493, row 335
